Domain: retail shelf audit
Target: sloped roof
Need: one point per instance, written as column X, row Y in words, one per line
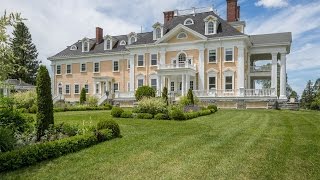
column 224, row 29
column 275, row 38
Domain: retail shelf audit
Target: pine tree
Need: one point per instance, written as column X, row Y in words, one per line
column 44, row 101
column 190, row 97
column 165, row 94
column 25, row 54
column 307, row 96
column 83, row 97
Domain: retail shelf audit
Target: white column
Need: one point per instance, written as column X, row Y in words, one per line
column 183, row 85
column 132, row 72
column 187, row 83
column 162, row 57
column 274, row 78
column 241, row 71
column 201, row 68
column 283, row 77
column 159, row 85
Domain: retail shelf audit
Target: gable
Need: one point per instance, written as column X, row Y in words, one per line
column 175, row 39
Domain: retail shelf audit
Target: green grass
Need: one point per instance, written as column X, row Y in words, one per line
column 230, row 144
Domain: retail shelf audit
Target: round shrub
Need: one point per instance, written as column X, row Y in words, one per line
column 213, row 107
column 116, row 111
column 151, row 105
column 144, row 91
column 13, row 120
column 7, row 139
column 144, row 116
column 161, row 116
column 109, row 124
column 177, row 114
column 126, row 114
column 108, row 106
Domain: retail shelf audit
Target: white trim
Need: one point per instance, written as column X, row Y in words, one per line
column 65, row 89
column 118, row 87
column 189, row 19
column 212, row 19
column 151, row 59
column 67, row 69
column 85, row 41
column 94, row 67
column 122, row 43
column 144, row 63
column 57, row 69
column 185, row 37
column 73, row 48
column 58, row 86
column 113, row 65
column 85, row 63
column 225, row 54
column 132, row 35
column 208, row 53
column 74, row 88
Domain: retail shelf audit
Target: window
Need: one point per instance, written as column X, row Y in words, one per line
column 83, row 67
column 158, row 33
column 86, row 87
column 58, row 69
column 85, row 46
column 212, row 56
column 191, row 85
column 182, row 35
column 68, row 69
column 115, row 87
column 140, row 82
column 76, row 88
column 172, row 86
column 128, row 61
column 154, row 84
column 229, row 54
column 182, row 58
column 67, row 89
column 123, row 42
column 188, row 21
column 140, row 60
column 116, row 66
column 154, row 59
column 96, row 67
column 60, row 88
column 73, row 48
column 212, row 82
column 132, row 39
column 97, row 88
column 210, row 27
column 228, row 83
column 108, row 44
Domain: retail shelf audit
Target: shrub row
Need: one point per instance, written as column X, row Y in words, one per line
column 38, row 152
column 82, row 108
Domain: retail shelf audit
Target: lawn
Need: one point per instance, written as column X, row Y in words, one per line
column 230, row 144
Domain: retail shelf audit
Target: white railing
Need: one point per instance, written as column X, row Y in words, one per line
column 102, row 99
column 124, row 94
column 177, row 66
column 259, row 92
column 215, row 93
column 260, row 69
column 59, row 97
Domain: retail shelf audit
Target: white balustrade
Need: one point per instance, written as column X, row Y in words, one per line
column 260, row 68
column 177, row 66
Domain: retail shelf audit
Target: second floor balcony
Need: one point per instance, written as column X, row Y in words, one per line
column 265, row 68
column 177, row 66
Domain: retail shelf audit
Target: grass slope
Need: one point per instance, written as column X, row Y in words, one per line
column 231, row 144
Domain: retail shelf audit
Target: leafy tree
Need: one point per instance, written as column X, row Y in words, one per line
column 44, row 101
column 6, row 54
column 83, row 97
column 144, row 91
column 25, row 54
column 307, row 95
column 165, row 94
column 190, row 96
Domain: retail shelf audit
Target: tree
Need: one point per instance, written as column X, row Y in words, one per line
column 25, row 54
column 6, row 54
column 44, row 101
column 165, row 94
column 190, row 96
column 144, row 91
column 83, row 97
column 307, row 95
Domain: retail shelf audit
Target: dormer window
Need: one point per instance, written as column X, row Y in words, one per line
column 211, row 24
column 108, row 42
column 188, row 21
column 123, row 42
column 73, row 48
column 157, row 31
column 182, row 35
column 85, row 45
column 132, row 37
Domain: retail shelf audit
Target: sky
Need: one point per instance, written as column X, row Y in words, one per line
column 55, row 24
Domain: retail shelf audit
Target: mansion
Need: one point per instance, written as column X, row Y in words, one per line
column 191, row 49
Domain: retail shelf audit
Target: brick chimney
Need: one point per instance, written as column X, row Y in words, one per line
column 168, row 15
column 233, row 11
column 99, row 35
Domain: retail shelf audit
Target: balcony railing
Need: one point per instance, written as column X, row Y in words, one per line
column 235, row 93
column 124, row 94
column 216, row 93
column 259, row 92
column 260, row 69
column 177, row 66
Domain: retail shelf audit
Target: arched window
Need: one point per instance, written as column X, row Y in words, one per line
column 182, row 35
column 158, row 33
column 210, row 27
column 132, row 39
column 182, row 58
column 123, row 42
column 85, row 46
column 108, row 44
column 73, row 47
column 60, row 88
column 188, row 21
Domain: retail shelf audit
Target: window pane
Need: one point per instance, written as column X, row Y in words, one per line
column 140, row 60
column 86, row 86
column 76, row 89
column 229, row 79
column 96, row 67
column 140, row 82
column 212, row 82
column 116, row 87
column 172, row 86
column 115, row 66
column 228, row 86
column 191, row 85
column 210, row 28
column 212, row 56
column 229, row 54
column 83, row 67
column 58, row 69
column 158, row 33
column 68, row 69
column 154, row 84
column 154, row 59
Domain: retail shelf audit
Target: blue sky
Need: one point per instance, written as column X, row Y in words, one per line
column 55, row 24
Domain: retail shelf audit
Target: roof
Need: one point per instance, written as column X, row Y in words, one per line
column 19, row 84
column 224, row 29
column 275, row 38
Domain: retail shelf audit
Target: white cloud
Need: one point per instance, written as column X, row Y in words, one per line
column 272, row 3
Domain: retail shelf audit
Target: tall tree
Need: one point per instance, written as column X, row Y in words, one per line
column 25, row 53
column 83, row 97
column 307, row 95
column 44, row 101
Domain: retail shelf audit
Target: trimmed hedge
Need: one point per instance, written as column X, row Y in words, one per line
column 144, row 116
column 38, row 152
column 83, row 108
column 126, row 114
column 116, row 111
column 109, row 124
column 177, row 114
column 161, row 116
column 212, row 107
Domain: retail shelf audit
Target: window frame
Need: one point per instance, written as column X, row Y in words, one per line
column 156, row 60
column 140, row 60
column 118, row 87
column 215, row 82
column 158, row 33
column 60, row 68
column 59, row 86
column 188, row 19
column 123, row 43
column 140, row 79
column 186, row 35
column 85, row 67
column 86, row 46
column 191, row 86
column 225, row 83
column 215, row 60
column 209, row 28
column 76, row 84
column 225, row 54
column 108, row 43
column 94, row 67
column 113, row 66
column 86, row 87
column 65, row 90
column 97, row 88
column 70, row 65
column 156, row 85
column 172, row 86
